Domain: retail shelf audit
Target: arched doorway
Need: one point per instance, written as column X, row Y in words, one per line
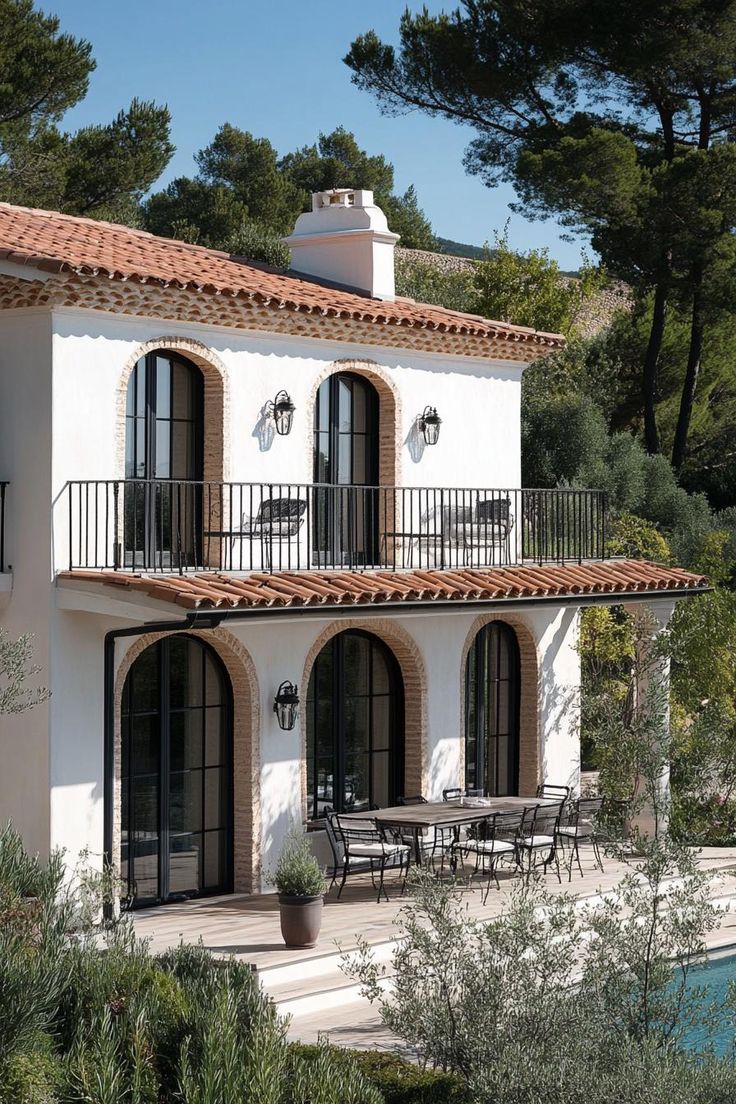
column 355, row 725
column 176, row 773
column 345, row 508
column 492, row 687
column 163, row 455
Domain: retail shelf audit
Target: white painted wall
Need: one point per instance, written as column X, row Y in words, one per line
column 25, row 460
column 479, row 403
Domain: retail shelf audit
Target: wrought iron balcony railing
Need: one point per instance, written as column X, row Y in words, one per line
column 177, row 526
column 3, row 489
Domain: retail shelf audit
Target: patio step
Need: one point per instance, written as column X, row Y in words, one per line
column 307, row 985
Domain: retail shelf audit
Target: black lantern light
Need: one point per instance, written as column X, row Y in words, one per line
column 430, row 423
column 282, row 411
column 286, row 705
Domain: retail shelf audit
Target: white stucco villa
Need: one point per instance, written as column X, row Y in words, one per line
column 222, row 479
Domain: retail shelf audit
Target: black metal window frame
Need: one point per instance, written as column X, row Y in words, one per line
column 340, row 515
column 483, row 708
column 335, row 648
column 164, row 711
column 163, row 513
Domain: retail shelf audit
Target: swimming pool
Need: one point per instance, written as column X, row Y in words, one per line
column 715, row 974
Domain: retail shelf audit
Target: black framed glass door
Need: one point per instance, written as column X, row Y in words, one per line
column 355, row 726
column 492, row 687
column 345, row 511
column 163, row 453
column 176, row 773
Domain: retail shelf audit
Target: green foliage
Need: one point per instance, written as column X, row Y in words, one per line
column 297, row 872
column 527, row 289
column 612, row 1035
column 100, row 170
column 256, row 242
column 242, row 181
column 398, row 1080
column 420, row 279
column 636, row 539
column 16, row 667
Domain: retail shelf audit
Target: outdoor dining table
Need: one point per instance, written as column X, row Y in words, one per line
column 443, row 814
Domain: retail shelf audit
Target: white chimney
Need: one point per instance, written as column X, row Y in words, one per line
column 345, row 239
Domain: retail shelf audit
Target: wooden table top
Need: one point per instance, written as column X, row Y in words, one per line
column 437, row 813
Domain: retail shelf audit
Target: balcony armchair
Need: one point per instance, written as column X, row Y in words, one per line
column 277, row 520
column 361, row 840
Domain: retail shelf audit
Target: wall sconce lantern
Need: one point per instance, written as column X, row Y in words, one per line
column 286, row 705
column 429, row 423
column 282, row 411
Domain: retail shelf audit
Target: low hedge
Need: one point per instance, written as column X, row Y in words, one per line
column 398, row 1080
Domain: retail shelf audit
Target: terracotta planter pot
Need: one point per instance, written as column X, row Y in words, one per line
column 301, row 919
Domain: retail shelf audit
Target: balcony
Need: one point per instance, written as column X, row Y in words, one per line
column 180, row 526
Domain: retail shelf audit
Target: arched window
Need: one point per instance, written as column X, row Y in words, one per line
column 355, row 707
column 345, row 462
column 492, row 711
column 176, row 773
column 163, row 444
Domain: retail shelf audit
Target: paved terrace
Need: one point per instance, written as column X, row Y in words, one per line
column 309, row 986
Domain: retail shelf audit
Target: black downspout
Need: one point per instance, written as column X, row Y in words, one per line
column 197, row 620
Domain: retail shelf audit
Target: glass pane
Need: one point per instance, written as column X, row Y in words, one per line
column 185, row 801
column 344, row 459
column 215, row 860
column 145, row 806
column 215, row 797
column 130, row 448
column 145, row 735
column 359, row 407
column 380, row 779
column 182, row 450
column 212, row 681
column 345, row 406
column 184, row 381
column 325, row 783
column 504, row 657
column 503, row 719
column 360, row 467
column 381, row 678
column 130, row 394
column 356, row 782
column 503, row 765
column 214, row 736
column 381, row 722
column 145, row 681
column 186, row 739
column 140, row 451
column 185, row 672
column 184, row 851
column 145, row 868
column 163, row 450
column 323, row 407
column 140, row 385
column 356, row 725
column 163, row 388
column 321, row 465
column 357, row 664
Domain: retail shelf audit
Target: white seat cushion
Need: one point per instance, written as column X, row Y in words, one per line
column 538, row 841
column 584, row 828
column 490, row 847
column 375, row 850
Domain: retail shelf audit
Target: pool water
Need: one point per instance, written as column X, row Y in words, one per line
column 716, row 974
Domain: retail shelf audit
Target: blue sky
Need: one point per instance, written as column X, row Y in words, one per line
column 276, row 70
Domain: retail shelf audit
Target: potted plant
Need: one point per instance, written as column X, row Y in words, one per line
column 300, row 882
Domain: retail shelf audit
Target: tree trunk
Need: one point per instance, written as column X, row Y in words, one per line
column 690, row 384
column 651, row 363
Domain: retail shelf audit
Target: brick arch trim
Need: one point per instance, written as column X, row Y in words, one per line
column 414, row 676
column 389, row 414
column 246, row 748
column 216, row 401
column 530, row 757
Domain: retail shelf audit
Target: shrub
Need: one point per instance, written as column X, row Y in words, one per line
column 256, row 242
column 398, row 1080
column 297, row 873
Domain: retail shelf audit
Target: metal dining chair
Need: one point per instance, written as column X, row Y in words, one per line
column 538, row 836
column 361, row 840
column 579, row 825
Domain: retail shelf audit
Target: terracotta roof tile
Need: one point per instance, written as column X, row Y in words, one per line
column 56, row 242
column 208, row 591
